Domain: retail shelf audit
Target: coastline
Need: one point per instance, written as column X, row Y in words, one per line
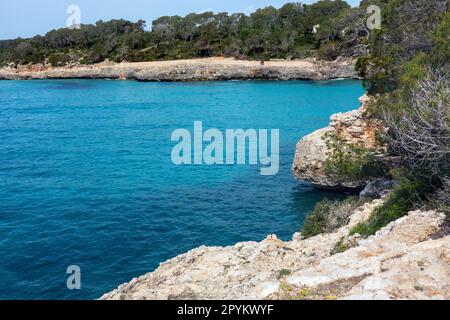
column 101, row 105
column 206, row 69
column 406, row 259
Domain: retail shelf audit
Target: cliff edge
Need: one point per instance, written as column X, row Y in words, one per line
column 402, row 261
column 313, row 150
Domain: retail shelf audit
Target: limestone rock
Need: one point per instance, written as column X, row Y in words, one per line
column 309, row 159
column 399, row 262
column 312, row 150
column 215, row 68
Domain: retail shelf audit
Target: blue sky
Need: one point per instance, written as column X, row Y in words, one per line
column 25, row 18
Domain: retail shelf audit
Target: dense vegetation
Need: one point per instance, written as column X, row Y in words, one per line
column 407, row 69
column 288, row 32
column 350, row 162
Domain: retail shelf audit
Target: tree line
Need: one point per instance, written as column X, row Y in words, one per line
column 325, row 29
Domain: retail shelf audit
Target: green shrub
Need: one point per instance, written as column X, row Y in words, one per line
column 329, row 215
column 441, row 40
column 361, row 65
column 402, row 199
column 440, row 200
column 328, row 51
column 409, row 28
column 348, row 161
column 339, row 247
column 282, row 273
column 58, row 59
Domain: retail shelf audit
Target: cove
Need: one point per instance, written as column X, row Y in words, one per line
column 86, row 176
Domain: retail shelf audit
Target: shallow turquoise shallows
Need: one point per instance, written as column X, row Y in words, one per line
column 86, row 176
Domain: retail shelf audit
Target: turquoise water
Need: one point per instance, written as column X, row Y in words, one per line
column 86, row 176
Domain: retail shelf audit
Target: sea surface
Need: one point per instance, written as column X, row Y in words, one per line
column 86, row 176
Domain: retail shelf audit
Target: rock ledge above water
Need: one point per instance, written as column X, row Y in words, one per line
column 401, row 261
column 312, row 150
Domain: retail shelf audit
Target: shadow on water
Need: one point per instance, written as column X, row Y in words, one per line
column 67, row 85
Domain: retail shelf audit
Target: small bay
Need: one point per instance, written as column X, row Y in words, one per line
column 86, row 176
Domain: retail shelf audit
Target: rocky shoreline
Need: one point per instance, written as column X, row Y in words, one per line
column 206, row 69
column 407, row 259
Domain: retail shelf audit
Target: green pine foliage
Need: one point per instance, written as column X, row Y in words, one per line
column 267, row 33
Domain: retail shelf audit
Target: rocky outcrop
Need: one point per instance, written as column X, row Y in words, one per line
column 192, row 70
column 399, row 261
column 312, row 150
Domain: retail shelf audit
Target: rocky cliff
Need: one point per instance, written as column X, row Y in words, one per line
column 313, row 150
column 409, row 258
column 192, row 70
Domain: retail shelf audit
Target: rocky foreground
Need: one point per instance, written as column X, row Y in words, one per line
column 191, row 70
column 408, row 259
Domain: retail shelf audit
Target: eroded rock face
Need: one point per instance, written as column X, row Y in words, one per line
column 399, row 262
column 263, row 270
column 312, row 150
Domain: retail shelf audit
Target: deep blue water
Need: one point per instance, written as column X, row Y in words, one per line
column 86, row 176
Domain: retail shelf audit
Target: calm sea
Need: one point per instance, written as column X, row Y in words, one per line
column 86, row 176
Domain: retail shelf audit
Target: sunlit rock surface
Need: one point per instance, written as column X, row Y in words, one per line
column 400, row 261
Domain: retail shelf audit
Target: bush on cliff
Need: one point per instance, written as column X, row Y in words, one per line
column 59, row 59
column 440, row 200
column 329, row 215
column 419, row 137
column 408, row 69
column 408, row 195
column 409, row 28
column 348, row 161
